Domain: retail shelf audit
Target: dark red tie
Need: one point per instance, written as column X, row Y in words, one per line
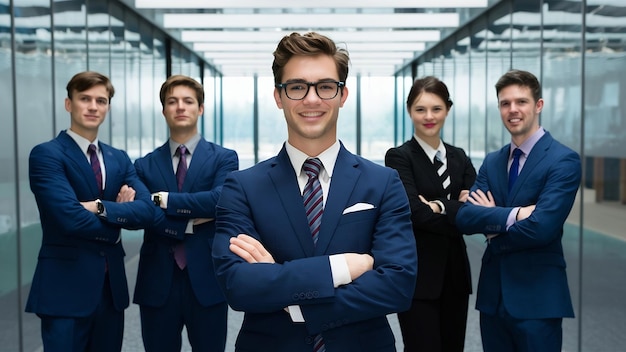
column 181, row 172
column 95, row 165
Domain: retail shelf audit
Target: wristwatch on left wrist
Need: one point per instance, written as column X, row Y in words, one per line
column 156, row 199
column 100, row 207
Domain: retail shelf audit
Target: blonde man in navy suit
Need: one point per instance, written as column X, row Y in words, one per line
column 176, row 284
column 305, row 283
column 437, row 177
column 520, row 201
column 79, row 289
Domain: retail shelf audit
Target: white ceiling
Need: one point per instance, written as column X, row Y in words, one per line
column 239, row 36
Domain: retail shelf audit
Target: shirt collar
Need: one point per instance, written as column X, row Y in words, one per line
column 529, row 143
column 83, row 143
column 430, row 151
column 191, row 144
column 327, row 157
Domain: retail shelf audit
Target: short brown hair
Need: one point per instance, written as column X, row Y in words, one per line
column 88, row 79
column 181, row 80
column 309, row 44
column 520, row 78
column 428, row 84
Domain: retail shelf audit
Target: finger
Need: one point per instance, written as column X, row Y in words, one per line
column 423, row 199
column 258, row 247
column 241, row 253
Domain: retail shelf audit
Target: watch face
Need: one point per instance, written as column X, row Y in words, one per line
column 100, row 207
column 156, row 199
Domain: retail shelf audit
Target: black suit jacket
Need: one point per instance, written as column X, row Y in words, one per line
column 439, row 242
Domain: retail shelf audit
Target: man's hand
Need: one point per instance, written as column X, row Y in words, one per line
column 478, row 197
column 524, row 212
column 250, row 249
column 126, row 194
column 358, row 264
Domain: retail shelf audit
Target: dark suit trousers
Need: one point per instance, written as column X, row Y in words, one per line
column 436, row 325
column 502, row 332
column 102, row 331
column 161, row 327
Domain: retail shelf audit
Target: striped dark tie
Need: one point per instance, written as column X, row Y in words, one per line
column 442, row 171
column 314, row 207
column 95, row 166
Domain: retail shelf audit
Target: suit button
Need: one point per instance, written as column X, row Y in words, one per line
column 308, row 340
column 102, row 253
column 309, row 295
column 294, row 297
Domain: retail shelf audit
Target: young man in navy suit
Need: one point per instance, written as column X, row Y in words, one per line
column 315, row 244
column 176, row 283
column 520, row 201
column 86, row 192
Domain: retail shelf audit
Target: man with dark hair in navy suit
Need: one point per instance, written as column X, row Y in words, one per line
column 520, row 201
column 86, row 192
column 176, row 283
column 315, row 245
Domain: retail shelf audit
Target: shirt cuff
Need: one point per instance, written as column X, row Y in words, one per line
column 511, row 219
column 296, row 314
column 164, row 197
column 441, row 206
column 339, row 269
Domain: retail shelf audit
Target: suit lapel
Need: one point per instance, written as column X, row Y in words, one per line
column 77, row 156
column 424, row 163
column 534, row 158
column 344, row 179
column 166, row 170
column 201, row 156
column 286, row 186
column 113, row 170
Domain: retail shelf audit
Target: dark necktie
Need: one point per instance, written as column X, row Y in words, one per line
column 514, row 170
column 95, row 166
column 314, row 207
column 181, row 172
column 442, row 171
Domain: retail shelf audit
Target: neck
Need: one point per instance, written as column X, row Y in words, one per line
column 87, row 134
column 181, row 137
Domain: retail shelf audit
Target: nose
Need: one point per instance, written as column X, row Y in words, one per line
column 93, row 104
column 311, row 95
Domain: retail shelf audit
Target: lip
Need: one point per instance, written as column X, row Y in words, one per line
column 430, row 125
column 311, row 115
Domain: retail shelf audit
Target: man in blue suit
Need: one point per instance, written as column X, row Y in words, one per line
column 520, row 201
column 176, row 283
column 315, row 257
column 79, row 288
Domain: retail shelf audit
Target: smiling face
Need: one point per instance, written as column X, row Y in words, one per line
column 519, row 111
column 181, row 110
column 88, row 110
column 311, row 122
column 428, row 113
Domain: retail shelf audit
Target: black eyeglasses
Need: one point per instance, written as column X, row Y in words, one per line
column 298, row 90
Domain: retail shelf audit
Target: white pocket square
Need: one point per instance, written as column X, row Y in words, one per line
column 358, row 207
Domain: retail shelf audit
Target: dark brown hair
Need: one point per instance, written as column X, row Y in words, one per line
column 309, row 44
column 428, row 84
column 88, row 79
column 181, row 80
column 520, row 78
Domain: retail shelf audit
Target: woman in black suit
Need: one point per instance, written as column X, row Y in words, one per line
column 437, row 317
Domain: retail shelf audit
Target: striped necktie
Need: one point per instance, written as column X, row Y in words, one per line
column 442, row 171
column 95, row 166
column 314, row 207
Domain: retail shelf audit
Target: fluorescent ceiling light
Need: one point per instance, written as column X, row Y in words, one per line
column 239, row 21
column 270, row 47
column 268, row 55
column 338, row 36
column 261, row 4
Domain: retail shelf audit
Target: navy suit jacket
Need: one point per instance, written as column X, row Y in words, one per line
column 436, row 235
column 525, row 264
column 78, row 245
column 265, row 202
column 207, row 171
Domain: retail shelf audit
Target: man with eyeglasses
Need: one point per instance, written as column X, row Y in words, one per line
column 315, row 244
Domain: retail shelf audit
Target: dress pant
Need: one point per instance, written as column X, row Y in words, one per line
column 101, row 331
column 161, row 327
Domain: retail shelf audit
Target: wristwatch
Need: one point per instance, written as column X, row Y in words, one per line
column 156, row 199
column 100, row 206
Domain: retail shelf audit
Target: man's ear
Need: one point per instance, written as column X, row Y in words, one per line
column 279, row 102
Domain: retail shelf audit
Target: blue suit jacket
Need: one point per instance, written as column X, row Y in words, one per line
column 525, row 265
column 208, row 169
column 265, row 202
column 77, row 245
